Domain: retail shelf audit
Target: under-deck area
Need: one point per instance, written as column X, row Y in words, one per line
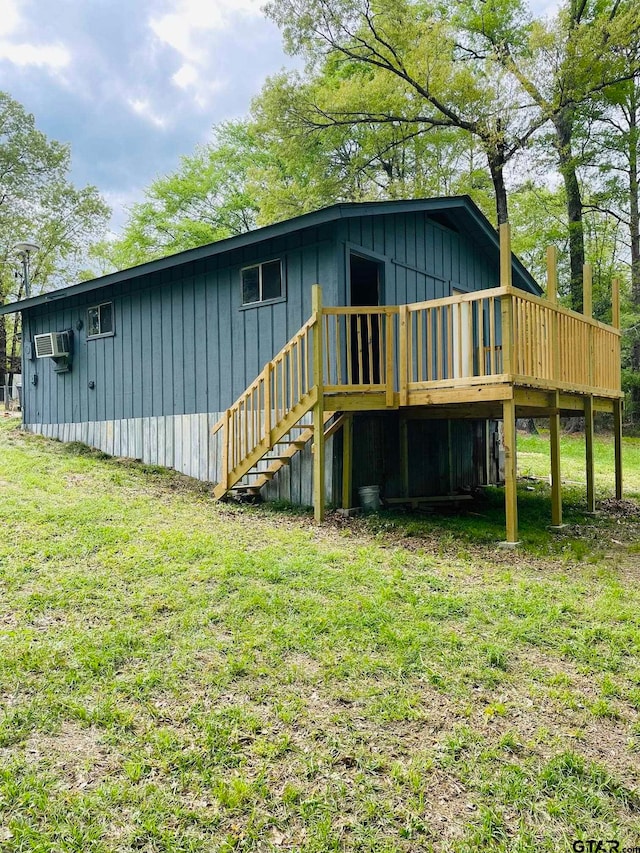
column 495, row 354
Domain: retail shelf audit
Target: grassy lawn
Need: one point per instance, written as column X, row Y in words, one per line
column 177, row 675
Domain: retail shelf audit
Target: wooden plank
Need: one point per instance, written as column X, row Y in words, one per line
column 511, row 495
column 588, row 435
column 509, row 357
column 505, row 255
column 556, row 485
column 420, row 345
column 389, row 365
column 224, row 478
column 429, row 354
column 370, row 347
column 552, row 274
column 617, row 446
column 318, row 409
column 403, row 344
column 267, row 401
column 347, row 462
column 615, row 303
column 587, row 291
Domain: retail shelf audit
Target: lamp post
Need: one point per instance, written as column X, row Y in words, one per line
column 24, row 251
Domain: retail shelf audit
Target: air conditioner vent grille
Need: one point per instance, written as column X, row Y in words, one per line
column 52, row 345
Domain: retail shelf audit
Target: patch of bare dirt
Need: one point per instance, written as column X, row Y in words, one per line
column 75, row 755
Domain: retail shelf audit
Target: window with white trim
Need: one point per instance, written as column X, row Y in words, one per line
column 100, row 320
column 261, row 282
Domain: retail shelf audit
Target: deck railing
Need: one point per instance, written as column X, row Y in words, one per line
column 486, row 337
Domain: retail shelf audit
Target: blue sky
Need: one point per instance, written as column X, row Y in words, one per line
column 133, row 85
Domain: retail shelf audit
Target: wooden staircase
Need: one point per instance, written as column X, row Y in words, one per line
column 265, row 427
column 279, row 456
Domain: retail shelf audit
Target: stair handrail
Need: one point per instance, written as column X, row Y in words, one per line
column 274, row 389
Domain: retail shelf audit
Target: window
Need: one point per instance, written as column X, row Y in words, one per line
column 100, row 320
column 261, row 282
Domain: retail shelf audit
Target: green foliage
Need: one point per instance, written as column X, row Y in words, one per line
column 38, row 202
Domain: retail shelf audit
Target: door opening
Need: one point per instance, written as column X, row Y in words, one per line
column 366, row 333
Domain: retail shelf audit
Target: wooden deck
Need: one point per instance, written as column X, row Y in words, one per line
column 496, row 354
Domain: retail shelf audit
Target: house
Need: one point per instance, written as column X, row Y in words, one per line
column 384, row 336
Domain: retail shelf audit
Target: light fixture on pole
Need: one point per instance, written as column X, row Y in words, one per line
column 24, row 251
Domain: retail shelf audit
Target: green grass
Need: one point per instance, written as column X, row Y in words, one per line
column 177, row 675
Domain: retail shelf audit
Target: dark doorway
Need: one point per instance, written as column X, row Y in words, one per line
column 365, row 281
column 366, row 333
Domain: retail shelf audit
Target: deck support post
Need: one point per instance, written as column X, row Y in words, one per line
column 588, row 440
column 617, row 445
column 347, row 462
column 318, row 409
column 510, row 472
column 617, row 404
column 556, row 487
column 404, row 456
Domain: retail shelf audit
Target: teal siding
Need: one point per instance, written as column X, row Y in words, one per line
column 183, row 344
column 424, row 259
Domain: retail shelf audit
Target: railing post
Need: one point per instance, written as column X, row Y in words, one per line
column 506, row 302
column 389, row 321
column 552, row 297
column 267, row 401
column 587, row 310
column 403, row 366
column 318, row 409
column 225, row 451
column 615, row 303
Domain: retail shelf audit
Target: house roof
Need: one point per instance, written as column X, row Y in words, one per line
column 461, row 211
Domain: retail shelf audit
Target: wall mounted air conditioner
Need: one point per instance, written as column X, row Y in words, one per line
column 52, row 345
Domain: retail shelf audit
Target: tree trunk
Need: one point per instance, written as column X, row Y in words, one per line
column 496, row 161
column 563, row 124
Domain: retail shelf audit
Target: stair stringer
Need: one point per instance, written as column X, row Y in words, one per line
column 293, row 416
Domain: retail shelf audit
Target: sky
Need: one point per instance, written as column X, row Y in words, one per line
column 132, row 85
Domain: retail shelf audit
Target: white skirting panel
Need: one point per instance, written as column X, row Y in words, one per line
column 185, row 443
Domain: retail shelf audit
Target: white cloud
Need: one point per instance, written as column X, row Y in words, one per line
column 53, row 56
column 186, row 76
column 190, row 29
column 189, row 18
column 143, row 108
column 9, row 17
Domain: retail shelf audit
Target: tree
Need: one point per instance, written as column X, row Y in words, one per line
column 405, row 66
column 37, row 201
column 565, row 66
column 617, row 137
column 307, row 167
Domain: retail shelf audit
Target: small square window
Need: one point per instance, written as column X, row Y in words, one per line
column 100, row 320
column 262, row 282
